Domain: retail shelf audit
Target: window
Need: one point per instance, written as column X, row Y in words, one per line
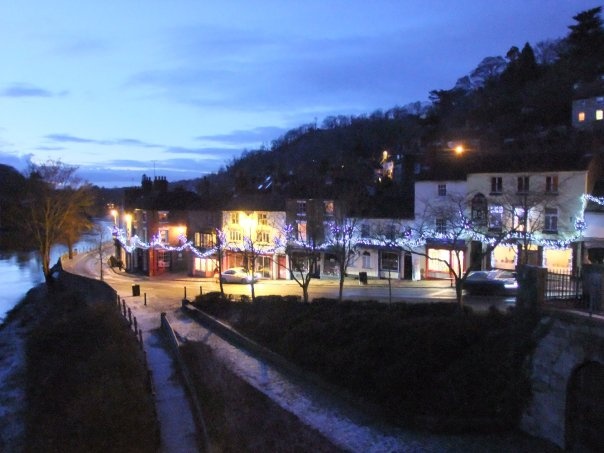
column 551, row 184
column 301, row 208
column 163, row 259
column 235, row 235
column 479, row 209
column 441, row 226
column 551, row 220
column 495, row 217
column 496, row 184
column 203, row 240
column 519, row 218
column 162, row 216
column 523, row 184
column 163, row 236
column 301, row 231
column 365, row 230
column 262, row 218
column 263, row 236
column 599, row 115
column 366, row 260
column 235, row 218
column 328, row 208
column 581, row 117
column 442, row 190
column 389, row 261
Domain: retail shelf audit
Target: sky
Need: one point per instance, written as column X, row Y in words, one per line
column 179, row 88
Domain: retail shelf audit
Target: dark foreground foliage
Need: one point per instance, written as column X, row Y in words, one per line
column 415, row 361
column 86, row 381
column 240, row 418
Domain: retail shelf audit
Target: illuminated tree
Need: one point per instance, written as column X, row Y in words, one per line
column 302, row 256
column 342, row 240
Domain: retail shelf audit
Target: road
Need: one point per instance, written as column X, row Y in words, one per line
column 170, row 289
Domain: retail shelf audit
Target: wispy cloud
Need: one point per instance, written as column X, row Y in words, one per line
column 22, row 90
column 68, row 138
column 246, row 137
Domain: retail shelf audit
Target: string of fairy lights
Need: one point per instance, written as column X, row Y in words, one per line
column 409, row 240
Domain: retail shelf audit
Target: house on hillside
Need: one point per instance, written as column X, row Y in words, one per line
column 588, row 105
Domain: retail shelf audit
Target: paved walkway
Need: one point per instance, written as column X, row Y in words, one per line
column 177, row 427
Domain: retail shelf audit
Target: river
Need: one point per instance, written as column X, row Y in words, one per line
column 20, row 271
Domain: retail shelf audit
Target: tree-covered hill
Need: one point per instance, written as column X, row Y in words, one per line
column 521, row 100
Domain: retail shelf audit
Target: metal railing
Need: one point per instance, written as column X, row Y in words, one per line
column 564, row 289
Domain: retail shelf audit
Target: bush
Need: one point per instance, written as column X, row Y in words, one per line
column 409, row 359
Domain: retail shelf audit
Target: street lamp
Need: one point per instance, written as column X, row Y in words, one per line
column 114, row 214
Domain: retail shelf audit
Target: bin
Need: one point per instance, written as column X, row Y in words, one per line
column 363, row 278
column 136, row 290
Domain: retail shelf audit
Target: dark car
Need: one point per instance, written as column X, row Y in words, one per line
column 494, row 282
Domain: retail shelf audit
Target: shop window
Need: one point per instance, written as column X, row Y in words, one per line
column 389, row 261
column 599, row 115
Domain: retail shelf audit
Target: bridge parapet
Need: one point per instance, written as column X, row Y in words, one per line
column 570, row 347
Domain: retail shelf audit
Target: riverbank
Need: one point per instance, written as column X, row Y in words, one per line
column 89, row 376
column 14, row 330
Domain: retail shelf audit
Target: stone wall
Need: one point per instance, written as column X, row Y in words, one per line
column 568, row 340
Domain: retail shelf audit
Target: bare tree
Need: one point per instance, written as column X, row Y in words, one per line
column 54, row 207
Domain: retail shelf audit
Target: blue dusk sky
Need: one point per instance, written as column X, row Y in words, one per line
column 178, row 88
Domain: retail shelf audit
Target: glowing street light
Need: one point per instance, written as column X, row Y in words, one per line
column 113, row 212
column 459, row 150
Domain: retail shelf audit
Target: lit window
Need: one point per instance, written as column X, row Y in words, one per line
column 599, row 115
column 235, row 235
column 235, row 218
column 163, row 236
column 328, row 207
column 263, row 236
column 520, row 218
column 262, row 218
column 442, row 190
column 441, row 226
column 495, row 217
column 581, row 117
column 162, row 216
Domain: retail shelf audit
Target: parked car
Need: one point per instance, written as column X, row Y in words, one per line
column 494, row 282
column 237, row 275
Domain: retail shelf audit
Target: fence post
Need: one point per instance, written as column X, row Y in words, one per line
column 145, row 294
column 135, row 326
column 124, row 307
column 129, row 316
column 140, row 339
column 200, row 290
column 185, row 292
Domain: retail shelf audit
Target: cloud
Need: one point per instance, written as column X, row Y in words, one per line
column 246, row 137
column 67, row 138
column 22, row 90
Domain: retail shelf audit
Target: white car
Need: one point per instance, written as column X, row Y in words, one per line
column 237, row 275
